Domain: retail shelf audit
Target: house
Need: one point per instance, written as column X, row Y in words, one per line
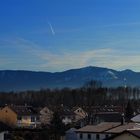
column 79, row 113
column 121, row 128
column 106, row 117
column 103, row 130
column 46, row 115
column 95, row 132
column 98, row 114
column 136, row 118
column 19, row 116
column 75, row 115
column 133, row 134
column 67, row 116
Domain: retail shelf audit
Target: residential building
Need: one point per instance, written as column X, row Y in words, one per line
column 133, row 134
column 79, row 113
column 67, row 116
column 95, row 132
column 20, row 116
column 103, row 130
column 136, row 118
column 98, row 114
column 46, row 115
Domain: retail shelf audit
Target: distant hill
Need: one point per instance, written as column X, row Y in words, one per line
column 15, row 80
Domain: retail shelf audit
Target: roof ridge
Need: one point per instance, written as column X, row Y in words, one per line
column 112, row 128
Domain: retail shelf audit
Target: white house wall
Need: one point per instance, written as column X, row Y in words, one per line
column 93, row 136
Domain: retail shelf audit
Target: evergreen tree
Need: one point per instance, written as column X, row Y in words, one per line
column 57, row 127
column 129, row 111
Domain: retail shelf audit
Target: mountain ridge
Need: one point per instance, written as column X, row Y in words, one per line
column 18, row 80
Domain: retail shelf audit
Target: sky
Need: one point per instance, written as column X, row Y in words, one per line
column 57, row 35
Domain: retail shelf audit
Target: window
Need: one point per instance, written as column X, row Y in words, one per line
column 97, row 136
column 81, row 136
column 37, row 118
column 106, row 136
column 89, row 136
column 32, row 119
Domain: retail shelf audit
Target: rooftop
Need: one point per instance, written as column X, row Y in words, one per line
column 122, row 128
column 135, row 132
column 104, row 126
column 24, row 110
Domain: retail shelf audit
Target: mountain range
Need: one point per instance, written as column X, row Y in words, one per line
column 18, row 80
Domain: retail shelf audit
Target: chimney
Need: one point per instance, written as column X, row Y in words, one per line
column 122, row 120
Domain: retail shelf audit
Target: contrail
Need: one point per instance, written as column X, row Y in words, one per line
column 52, row 30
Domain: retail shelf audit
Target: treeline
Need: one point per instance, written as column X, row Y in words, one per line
column 92, row 93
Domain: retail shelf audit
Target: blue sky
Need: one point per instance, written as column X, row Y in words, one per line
column 56, row 35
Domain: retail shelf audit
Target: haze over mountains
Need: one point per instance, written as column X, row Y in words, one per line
column 15, row 80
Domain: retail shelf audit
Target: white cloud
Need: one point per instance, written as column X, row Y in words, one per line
column 72, row 59
column 34, row 57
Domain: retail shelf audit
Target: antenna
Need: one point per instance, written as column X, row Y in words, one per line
column 125, row 84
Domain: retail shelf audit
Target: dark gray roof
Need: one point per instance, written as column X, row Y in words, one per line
column 104, row 109
column 108, row 117
column 100, row 128
column 24, row 110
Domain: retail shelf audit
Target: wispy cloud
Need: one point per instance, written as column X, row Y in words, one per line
column 32, row 56
column 124, row 62
column 71, row 59
column 122, row 24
